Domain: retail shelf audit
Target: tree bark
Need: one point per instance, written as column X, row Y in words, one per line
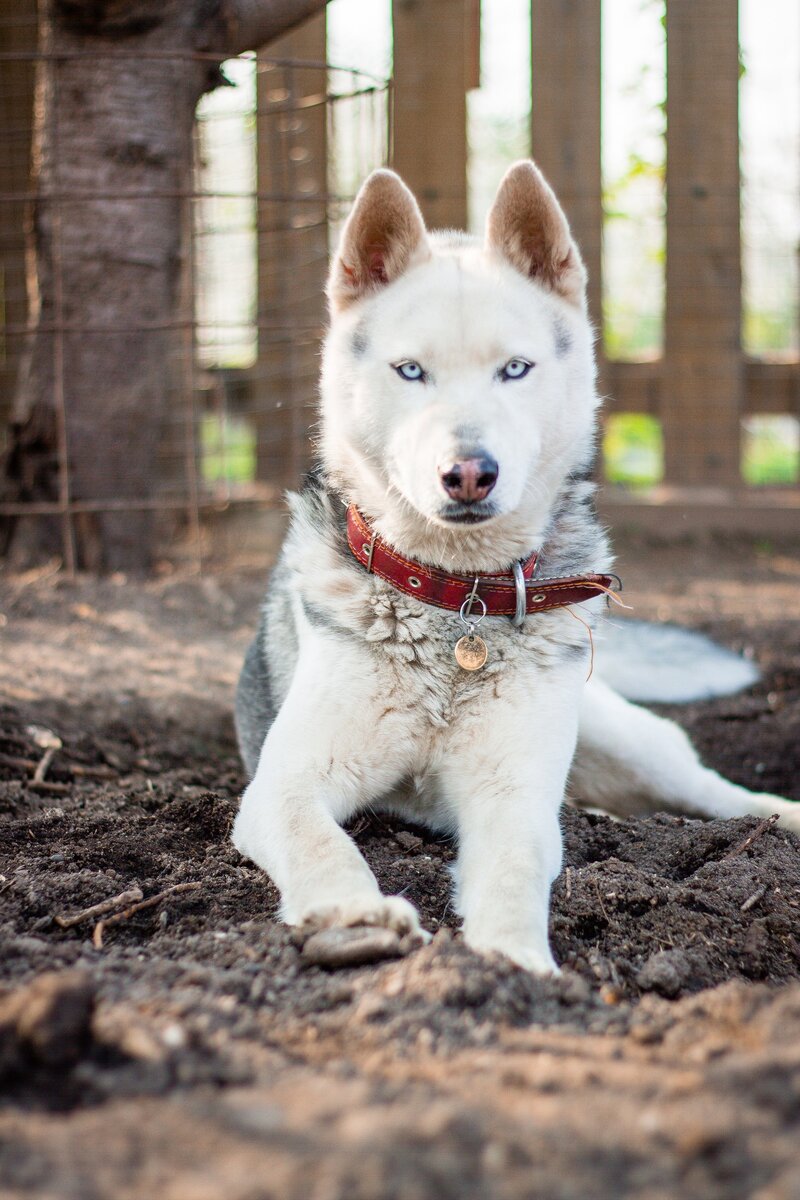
column 112, row 163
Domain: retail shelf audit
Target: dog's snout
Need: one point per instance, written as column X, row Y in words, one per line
column 470, row 479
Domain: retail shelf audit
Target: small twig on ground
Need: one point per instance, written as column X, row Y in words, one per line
column 600, row 898
column 101, row 926
column 361, row 824
column 568, row 874
column 89, row 772
column 100, row 909
column 754, row 899
column 44, row 763
column 14, row 739
column 20, row 764
column 45, row 788
column 48, row 741
column 80, row 769
column 760, row 829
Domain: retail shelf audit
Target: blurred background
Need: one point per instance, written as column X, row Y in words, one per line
column 167, row 212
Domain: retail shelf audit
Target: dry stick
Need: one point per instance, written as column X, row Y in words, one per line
column 600, row 898
column 44, row 763
column 97, row 936
column 761, row 828
column 88, row 772
column 22, row 764
column 8, row 736
column 100, row 909
column 359, row 827
column 754, row 899
column 81, row 769
column 44, row 788
column 48, row 741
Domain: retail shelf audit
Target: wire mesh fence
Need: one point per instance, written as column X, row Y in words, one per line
column 220, row 365
column 161, row 284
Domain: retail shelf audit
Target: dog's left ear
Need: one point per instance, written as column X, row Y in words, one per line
column 383, row 236
column 527, row 226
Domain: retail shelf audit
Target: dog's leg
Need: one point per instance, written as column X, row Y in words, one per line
column 506, row 782
column 322, row 760
column 630, row 761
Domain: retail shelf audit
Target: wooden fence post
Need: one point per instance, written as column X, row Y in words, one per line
column 292, row 251
column 703, row 363
column 565, row 121
column 430, row 109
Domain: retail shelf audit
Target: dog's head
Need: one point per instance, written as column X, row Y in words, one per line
column 458, row 378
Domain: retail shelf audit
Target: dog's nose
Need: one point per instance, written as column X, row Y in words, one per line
column 470, row 479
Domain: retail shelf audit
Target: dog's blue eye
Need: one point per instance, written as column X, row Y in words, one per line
column 411, row 371
column 515, row 368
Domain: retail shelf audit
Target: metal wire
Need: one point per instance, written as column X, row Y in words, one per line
column 273, row 173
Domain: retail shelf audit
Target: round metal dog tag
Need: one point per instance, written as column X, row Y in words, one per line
column 471, row 652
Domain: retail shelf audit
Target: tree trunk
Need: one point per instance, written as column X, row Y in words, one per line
column 18, row 24
column 112, row 164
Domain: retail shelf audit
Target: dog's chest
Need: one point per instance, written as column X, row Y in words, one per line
column 408, row 648
column 413, row 645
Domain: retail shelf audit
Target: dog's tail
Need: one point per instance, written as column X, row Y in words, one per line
column 668, row 665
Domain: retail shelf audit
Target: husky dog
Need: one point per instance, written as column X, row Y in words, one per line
column 457, row 436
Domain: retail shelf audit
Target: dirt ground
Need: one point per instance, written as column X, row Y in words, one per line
column 191, row 1050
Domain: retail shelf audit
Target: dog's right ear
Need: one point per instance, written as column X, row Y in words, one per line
column 384, row 235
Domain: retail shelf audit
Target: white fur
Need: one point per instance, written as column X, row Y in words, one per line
column 665, row 664
column 360, row 729
column 373, row 711
column 462, row 315
column 630, row 761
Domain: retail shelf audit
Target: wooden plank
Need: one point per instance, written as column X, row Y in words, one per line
column 18, row 21
column 292, row 251
column 430, row 107
column 678, row 512
column 703, row 365
column 634, row 387
column 769, row 387
column 565, row 120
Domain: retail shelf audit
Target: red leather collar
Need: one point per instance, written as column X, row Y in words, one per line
column 498, row 591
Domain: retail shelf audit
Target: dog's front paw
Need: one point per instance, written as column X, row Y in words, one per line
column 524, row 952
column 383, row 912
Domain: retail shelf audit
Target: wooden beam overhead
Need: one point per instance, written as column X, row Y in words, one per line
column 768, row 388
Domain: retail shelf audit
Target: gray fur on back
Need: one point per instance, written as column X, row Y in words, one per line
column 255, row 711
column 271, row 656
column 267, row 668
